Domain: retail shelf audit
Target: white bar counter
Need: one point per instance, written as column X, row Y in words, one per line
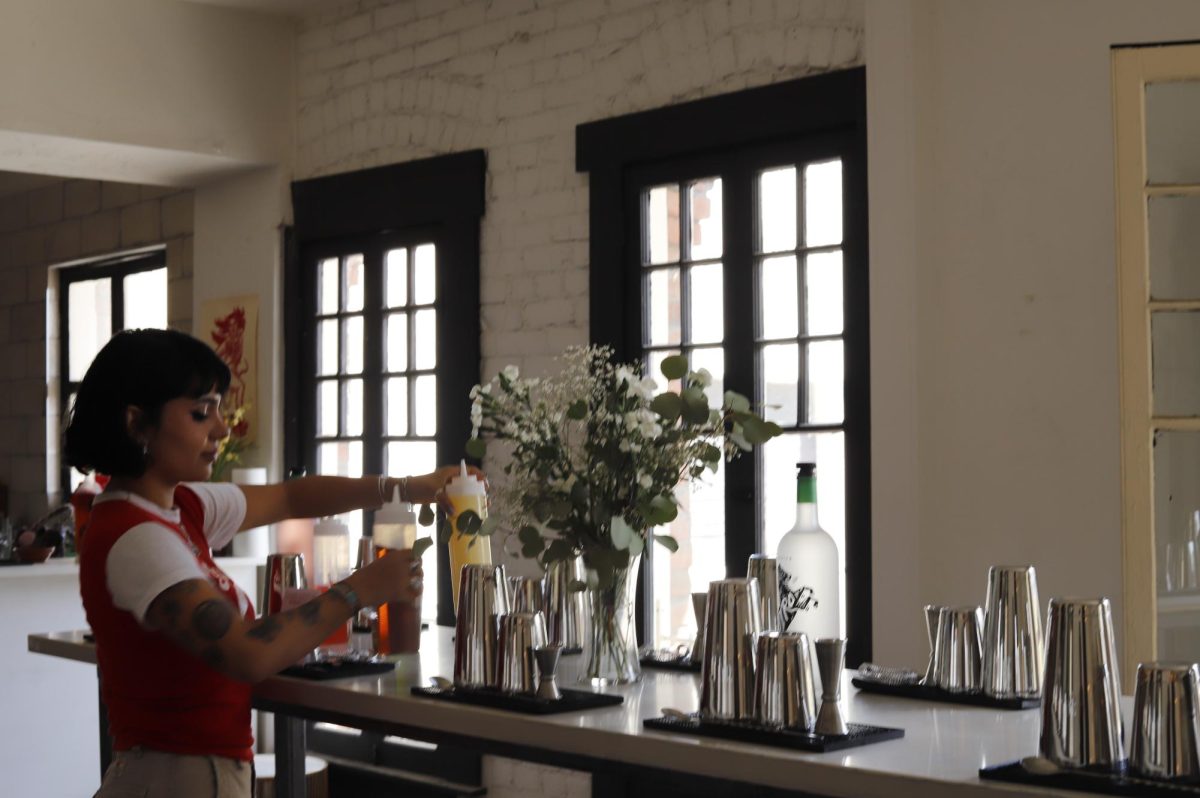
column 940, row 755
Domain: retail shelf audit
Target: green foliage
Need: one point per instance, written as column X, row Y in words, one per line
column 420, row 545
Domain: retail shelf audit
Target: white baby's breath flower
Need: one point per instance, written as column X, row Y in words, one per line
column 702, row 377
column 645, row 481
column 511, row 372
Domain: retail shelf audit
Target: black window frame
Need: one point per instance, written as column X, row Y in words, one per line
column 797, row 121
column 436, row 200
column 117, row 269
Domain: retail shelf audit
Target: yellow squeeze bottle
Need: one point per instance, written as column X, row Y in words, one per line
column 466, row 492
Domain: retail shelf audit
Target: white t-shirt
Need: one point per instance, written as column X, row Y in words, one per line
column 150, row 557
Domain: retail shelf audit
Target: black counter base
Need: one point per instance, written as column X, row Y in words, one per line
column 860, row 734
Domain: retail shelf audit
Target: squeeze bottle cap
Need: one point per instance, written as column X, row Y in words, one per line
column 465, row 483
column 331, row 526
column 396, row 512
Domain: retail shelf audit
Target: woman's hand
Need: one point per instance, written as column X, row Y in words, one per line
column 395, row 577
column 431, row 487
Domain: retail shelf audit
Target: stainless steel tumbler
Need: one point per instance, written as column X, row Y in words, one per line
column 526, row 594
column 731, row 630
column 1081, row 710
column 566, row 611
column 482, row 599
column 1165, row 741
column 283, row 571
column 932, row 613
column 784, row 694
column 1013, row 645
column 520, row 635
column 766, row 570
column 958, row 649
column 699, row 603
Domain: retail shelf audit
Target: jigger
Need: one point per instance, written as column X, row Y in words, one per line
column 1166, row 721
column 1081, row 711
column 547, row 662
column 566, row 611
column 958, row 649
column 1013, row 653
column 482, row 599
column 766, row 571
column 731, row 626
column 831, row 658
column 932, row 613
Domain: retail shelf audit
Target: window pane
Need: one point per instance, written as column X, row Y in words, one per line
column 1175, row 367
column 89, row 324
column 340, row 459
column 396, row 402
column 403, row 458
column 1172, row 126
column 396, row 341
column 353, row 328
column 700, row 532
column 662, row 224
column 396, row 277
column 825, row 383
column 425, row 275
column 425, row 339
column 780, row 383
column 823, row 300
column 145, row 300
column 780, row 455
column 823, row 203
column 708, row 305
column 1177, row 542
column 654, row 369
column 327, row 287
column 425, row 405
column 327, row 347
column 352, row 407
column 777, row 209
column 327, row 408
column 713, row 359
column 355, row 278
column 664, row 303
column 780, row 298
column 706, row 232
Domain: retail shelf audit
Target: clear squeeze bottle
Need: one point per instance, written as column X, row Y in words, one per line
column 395, row 529
column 809, row 586
column 466, row 492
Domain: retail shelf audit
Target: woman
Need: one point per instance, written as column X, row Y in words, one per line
column 177, row 643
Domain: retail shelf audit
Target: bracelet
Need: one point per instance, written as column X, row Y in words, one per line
column 383, row 491
column 404, row 497
column 348, row 595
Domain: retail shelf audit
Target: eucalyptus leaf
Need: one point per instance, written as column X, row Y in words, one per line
column 528, row 535
column 637, row 544
column 469, row 522
column 667, row 541
column 476, row 448
column 622, row 533
column 736, row 402
column 674, row 367
column 420, row 545
column 445, row 532
column 425, row 517
column 558, row 550
column 668, row 406
column 662, row 510
column 710, row 453
column 531, row 550
column 577, row 410
column 739, row 440
column 695, row 405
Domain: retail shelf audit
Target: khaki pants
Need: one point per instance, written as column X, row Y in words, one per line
column 144, row 773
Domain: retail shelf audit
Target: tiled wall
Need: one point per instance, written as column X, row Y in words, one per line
column 66, row 222
column 387, row 82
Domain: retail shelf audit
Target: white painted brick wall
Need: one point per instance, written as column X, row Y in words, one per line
column 67, row 221
column 381, row 82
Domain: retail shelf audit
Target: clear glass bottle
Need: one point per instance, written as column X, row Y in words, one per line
column 809, row 582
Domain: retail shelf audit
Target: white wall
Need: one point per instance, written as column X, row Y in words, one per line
column 994, row 340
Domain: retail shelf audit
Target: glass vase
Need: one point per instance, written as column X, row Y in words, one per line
column 610, row 651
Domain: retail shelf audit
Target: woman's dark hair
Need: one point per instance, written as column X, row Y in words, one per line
column 145, row 369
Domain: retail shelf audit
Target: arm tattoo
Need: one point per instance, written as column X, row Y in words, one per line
column 266, row 630
column 212, row 619
column 310, row 612
column 212, row 657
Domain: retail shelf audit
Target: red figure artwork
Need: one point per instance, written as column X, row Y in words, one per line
column 229, row 339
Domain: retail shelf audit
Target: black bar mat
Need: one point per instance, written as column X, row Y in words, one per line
column 571, row 701
column 337, row 669
column 1090, row 781
column 923, row 693
column 682, row 665
column 860, row 734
